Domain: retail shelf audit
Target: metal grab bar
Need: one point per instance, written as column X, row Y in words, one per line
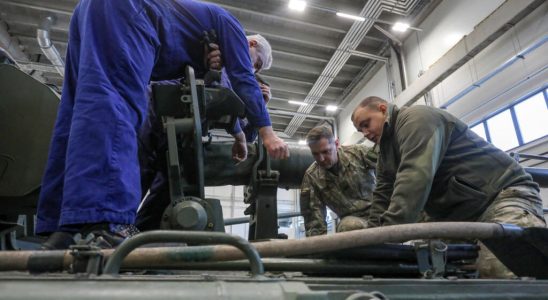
column 115, row 261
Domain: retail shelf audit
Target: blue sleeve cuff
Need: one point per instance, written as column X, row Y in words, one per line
column 237, row 128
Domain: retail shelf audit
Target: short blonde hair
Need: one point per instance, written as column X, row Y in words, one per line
column 370, row 102
column 319, row 132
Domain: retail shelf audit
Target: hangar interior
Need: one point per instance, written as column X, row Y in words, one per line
column 485, row 86
column 483, row 61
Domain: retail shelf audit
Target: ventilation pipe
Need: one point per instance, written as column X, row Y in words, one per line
column 47, row 46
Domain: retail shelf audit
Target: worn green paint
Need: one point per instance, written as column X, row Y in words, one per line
column 192, row 254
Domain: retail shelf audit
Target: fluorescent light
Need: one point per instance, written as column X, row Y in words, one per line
column 357, row 18
column 302, row 142
column 297, row 102
column 331, row 108
column 298, row 5
column 401, row 27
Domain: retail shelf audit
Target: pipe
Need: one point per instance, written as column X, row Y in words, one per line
column 308, row 265
column 243, row 220
column 219, row 168
column 275, row 111
column 489, row 30
column 540, row 175
column 521, row 55
column 159, row 257
column 47, row 47
column 115, row 261
column 369, row 56
column 386, row 62
column 388, row 35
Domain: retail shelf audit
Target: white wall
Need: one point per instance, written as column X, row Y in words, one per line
column 489, row 97
column 441, row 30
column 377, row 86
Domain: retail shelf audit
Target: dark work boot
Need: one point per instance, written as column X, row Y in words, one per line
column 59, row 240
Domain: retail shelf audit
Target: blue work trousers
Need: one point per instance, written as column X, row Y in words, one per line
column 92, row 174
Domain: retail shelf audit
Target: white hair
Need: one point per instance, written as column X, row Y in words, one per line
column 263, row 50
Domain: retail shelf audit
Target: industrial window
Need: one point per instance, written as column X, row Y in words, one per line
column 517, row 124
column 502, row 131
column 480, row 130
column 532, row 115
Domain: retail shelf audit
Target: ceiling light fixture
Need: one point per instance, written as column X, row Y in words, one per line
column 331, row 108
column 297, row 102
column 353, row 17
column 298, row 5
column 401, row 27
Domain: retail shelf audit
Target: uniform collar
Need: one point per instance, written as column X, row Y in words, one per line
column 343, row 162
column 390, row 122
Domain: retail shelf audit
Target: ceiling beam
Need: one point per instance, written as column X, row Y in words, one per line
column 279, row 18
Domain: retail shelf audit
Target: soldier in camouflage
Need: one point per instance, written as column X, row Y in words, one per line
column 429, row 160
column 341, row 178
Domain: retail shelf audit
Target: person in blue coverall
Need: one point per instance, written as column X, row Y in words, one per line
column 153, row 142
column 92, row 181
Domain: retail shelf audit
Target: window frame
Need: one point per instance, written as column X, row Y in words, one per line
column 511, row 107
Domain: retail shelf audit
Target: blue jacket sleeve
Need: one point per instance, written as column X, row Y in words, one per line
column 237, row 128
column 237, row 63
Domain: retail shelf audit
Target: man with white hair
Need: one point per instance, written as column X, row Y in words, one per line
column 91, row 182
column 260, row 53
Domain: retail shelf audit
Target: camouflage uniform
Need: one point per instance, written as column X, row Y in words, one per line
column 346, row 193
column 429, row 160
column 509, row 207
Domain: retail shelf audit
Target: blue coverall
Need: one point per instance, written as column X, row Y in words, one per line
column 115, row 49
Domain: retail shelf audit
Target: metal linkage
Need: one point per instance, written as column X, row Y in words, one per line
column 243, row 220
column 431, row 258
column 115, row 261
column 261, row 196
column 87, row 259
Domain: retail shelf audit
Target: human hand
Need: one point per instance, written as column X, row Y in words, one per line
column 275, row 146
column 239, row 148
column 265, row 90
column 214, row 60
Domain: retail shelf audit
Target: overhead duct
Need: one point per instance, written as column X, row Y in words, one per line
column 47, row 47
column 371, row 11
column 12, row 48
column 518, row 57
column 496, row 24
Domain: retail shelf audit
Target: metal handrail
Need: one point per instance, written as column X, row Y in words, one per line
column 115, row 261
column 517, row 156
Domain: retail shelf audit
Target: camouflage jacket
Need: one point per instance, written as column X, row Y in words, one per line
column 346, row 193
